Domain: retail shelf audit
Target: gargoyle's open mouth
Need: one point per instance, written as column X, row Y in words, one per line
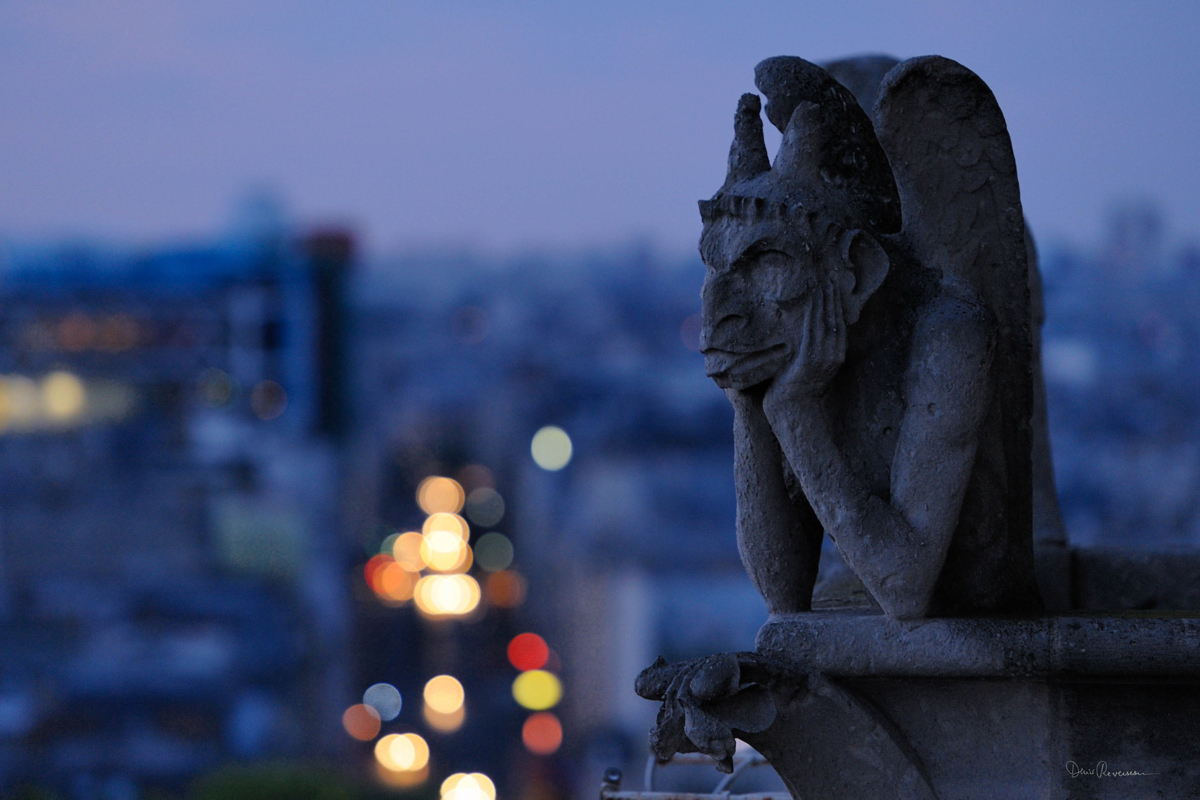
column 744, row 369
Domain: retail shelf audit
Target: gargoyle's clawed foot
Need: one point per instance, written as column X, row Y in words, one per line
column 704, row 702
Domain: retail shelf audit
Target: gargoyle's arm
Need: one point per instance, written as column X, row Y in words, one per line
column 897, row 546
column 780, row 544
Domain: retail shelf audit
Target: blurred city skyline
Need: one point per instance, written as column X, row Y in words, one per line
column 536, row 125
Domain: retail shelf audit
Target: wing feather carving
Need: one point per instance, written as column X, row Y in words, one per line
column 952, row 158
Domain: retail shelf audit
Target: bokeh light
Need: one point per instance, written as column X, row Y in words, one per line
column 395, row 583
column 484, row 507
column 537, row 690
column 472, row 786
column 403, row 779
column 386, row 756
column 76, row 332
column 361, row 721
column 447, row 595
column 542, row 733
column 445, row 551
column 437, row 494
column 420, row 751
column 444, row 694
column 493, row 552
column 505, row 589
column 268, row 400
column 372, row 568
column 445, row 521
column 406, row 549
column 444, row 723
column 402, row 752
column 551, row 448
column 385, row 699
column 528, row 651
column 63, row 396
column 22, row 400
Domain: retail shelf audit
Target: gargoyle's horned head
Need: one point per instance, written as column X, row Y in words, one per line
column 775, row 232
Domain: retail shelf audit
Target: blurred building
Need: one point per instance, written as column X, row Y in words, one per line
column 1122, row 361
column 202, row 449
column 628, row 551
column 172, row 591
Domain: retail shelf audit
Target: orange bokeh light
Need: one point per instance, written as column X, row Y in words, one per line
column 505, row 589
column 528, row 651
column 372, row 569
column 361, row 721
column 542, row 733
column 394, row 582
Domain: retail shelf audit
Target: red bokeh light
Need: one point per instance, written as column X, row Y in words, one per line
column 361, row 721
column 528, row 651
column 542, row 733
column 374, row 566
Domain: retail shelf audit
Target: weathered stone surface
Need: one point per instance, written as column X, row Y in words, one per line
column 865, row 706
column 879, row 371
column 1136, row 580
column 853, row 645
column 871, row 312
column 863, row 76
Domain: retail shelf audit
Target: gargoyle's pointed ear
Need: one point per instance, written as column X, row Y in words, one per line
column 868, row 262
column 748, row 154
column 803, row 146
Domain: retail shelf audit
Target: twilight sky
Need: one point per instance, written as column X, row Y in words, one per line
column 504, row 125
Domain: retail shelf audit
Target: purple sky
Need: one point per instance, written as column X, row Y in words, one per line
column 509, row 125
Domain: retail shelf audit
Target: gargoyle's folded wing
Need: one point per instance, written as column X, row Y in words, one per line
column 952, row 158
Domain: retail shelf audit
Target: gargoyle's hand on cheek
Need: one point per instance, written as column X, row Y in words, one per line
column 820, row 354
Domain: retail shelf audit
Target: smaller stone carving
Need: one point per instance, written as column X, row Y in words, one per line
column 704, row 702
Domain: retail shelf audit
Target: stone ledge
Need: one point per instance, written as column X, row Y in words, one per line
column 1125, row 645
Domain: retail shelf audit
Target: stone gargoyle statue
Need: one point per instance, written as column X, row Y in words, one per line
column 866, row 309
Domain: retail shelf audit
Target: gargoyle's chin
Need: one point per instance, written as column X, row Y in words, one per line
column 743, row 370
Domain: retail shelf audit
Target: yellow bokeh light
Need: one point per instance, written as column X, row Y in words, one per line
column 420, row 751
column 445, row 521
column 406, row 549
column 472, row 786
column 447, row 595
column 445, row 551
column 444, row 694
column 22, row 399
column 402, row 753
column 402, row 779
column 383, row 752
column 437, row 494
column 63, row 396
column 537, row 690
column 444, row 723
column 551, row 448
column 405, row 752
